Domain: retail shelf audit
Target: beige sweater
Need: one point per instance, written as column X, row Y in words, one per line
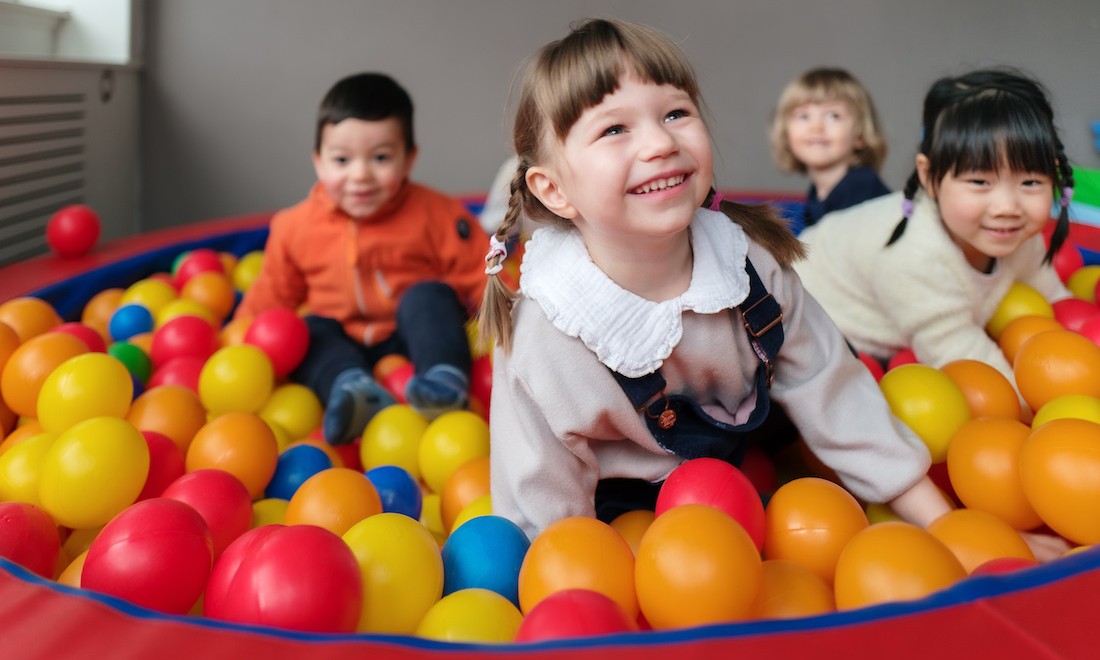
column 560, row 422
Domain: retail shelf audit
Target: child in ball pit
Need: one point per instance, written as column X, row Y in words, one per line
column 382, row 265
column 655, row 321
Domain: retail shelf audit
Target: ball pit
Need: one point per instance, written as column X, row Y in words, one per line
column 1056, row 586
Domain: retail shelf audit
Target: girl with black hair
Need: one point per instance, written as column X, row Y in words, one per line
column 989, row 168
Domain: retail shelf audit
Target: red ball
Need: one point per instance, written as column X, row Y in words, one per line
column 29, row 537
column 73, row 231
column 84, row 333
column 1067, row 260
column 220, row 498
column 873, row 365
column 1073, row 313
column 156, row 553
column 166, row 464
column 183, row 336
column 177, row 371
column 574, row 613
column 904, row 356
column 1003, row 565
column 282, row 335
column 300, row 577
column 196, row 261
column 396, row 380
column 715, row 483
column 481, row 381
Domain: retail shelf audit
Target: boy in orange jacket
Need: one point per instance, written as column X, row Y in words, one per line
column 380, row 264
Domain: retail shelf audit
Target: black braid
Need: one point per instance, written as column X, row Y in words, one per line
column 1061, row 228
column 911, row 187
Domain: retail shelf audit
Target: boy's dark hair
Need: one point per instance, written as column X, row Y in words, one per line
column 366, row 96
column 981, row 119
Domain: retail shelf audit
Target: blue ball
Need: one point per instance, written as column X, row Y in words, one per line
column 485, row 552
column 295, row 466
column 397, row 489
column 130, row 320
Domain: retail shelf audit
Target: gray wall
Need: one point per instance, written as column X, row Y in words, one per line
column 231, row 88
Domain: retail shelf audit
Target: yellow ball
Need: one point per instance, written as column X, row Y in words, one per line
column 184, row 307
column 1020, row 300
column 269, row 511
column 929, row 402
column 1077, row 406
column 449, row 441
column 236, row 379
column 83, row 387
column 471, row 615
column 482, row 506
column 295, row 408
column 392, row 437
column 21, row 469
column 150, row 293
column 247, row 270
column 1082, row 282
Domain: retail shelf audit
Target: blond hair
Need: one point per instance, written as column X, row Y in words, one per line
column 567, row 77
column 819, row 86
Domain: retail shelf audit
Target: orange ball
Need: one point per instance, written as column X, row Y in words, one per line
column 239, row 443
column 1056, row 363
column 212, row 290
column 232, row 333
column 9, row 341
column 97, row 312
column 983, row 464
column 1060, row 471
column 929, row 403
column 334, row 499
column 809, row 521
column 467, row 483
column 172, row 410
column 1020, row 300
column 578, row 553
column 632, row 526
column 29, row 316
column 696, row 565
column 388, row 364
column 789, row 590
column 29, row 366
column 893, row 561
column 988, row 393
column 1019, row 330
column 976, row 537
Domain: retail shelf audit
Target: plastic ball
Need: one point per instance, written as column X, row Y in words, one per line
column 983, row 463
column 891, row 562
column 468, row 482
column 486, row 553
column 450, row 440
column 156, row 554
column 99, row 308
column 29, row 537
column 9, row 341
column 1077, row 406
column 976, row 537
column 1056, row 363
column 929, row 402
column 471, row 615
column 387, row 364
column 1083, row 281
column 481, row 381
column 184, row 307
column 431, row 518
column 1001, row 565
column 220, row 498
column 759, row 468
column 1021, row 329
column 482, row 506
column 717, row 484
column 132, row 357
column 298, row 577
column 29, row 316
column 213, row 290
column 1020, row 300
column 293, row 467
column 334, row 499
column 172, row 410
column 872, row 364
column 1060, row 472
column 151, row 293
column 85, row 333
column 573, row 613
column 398, row 491
column 241, row 444
column 184, row 371
column 294, row 407
column 199, row 260
column 70, row 576
column 578, row 553
column 92, row 471
column 904, row 356
column 688, row 560
column 247, row 270
column 73, row 231
column 1072, row 313
column 400, row 569
column 21, row 468
column 397, row 380
column 236, row 379
column 269, row 511
column 282, row 335
column 392, row 437
column 183, row 336
column 129, row 320
column 632, row 526
column 809, row 521
column 1067, row 260
column 988, row 393
column 789, row 590
column 1090, row 329
column 83, row 387
column 30, row 364
column 166, row 464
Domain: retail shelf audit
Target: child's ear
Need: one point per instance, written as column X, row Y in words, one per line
column 316, row 158
column 923, row 167
column 544, row 186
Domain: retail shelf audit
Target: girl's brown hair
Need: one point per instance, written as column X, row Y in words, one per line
column 567, row 77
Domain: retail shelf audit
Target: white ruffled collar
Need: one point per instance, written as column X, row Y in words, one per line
column 629, row 334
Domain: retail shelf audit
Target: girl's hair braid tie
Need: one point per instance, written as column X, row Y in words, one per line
column 1067, row 195
column 497, row 248
column 906, row 208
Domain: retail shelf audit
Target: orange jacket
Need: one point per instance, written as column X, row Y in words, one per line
column 356, row 272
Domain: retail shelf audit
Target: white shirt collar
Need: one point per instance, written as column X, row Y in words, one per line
column 629, row 334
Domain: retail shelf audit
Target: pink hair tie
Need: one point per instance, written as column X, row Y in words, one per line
column 496, row 249
column 1067, row 195
column 716, row 201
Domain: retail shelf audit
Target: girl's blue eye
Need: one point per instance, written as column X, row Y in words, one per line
column 676, row 114
column 617, row 129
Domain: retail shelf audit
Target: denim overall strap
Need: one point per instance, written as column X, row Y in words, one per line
column 763, row 322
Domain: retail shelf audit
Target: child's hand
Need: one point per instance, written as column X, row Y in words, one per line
column 1046, row 547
